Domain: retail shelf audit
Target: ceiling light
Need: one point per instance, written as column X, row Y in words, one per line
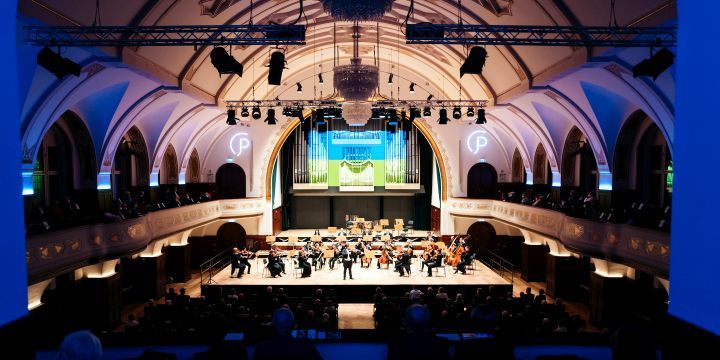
column 427, row 112
column 390, row 78
column 320, row 79
column 299, row 88
column 481, row 117
column 277, row 64
column 443, row 120
column 470, row 112
column 412, row 87
column 270, row 116
column 244, row 112
column 231, row 119
column 256, row 112
column 655, row 65
column 457, row 113
column 57, row 64
column 474, row 62
column 224, row 62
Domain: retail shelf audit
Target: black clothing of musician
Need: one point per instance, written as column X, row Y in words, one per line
column 347, row 261
column 466, row 259
column 304, row 265
column 274, row 265
column 236, row 264
column 433, row 264
column 403, row 264
column 244, row 259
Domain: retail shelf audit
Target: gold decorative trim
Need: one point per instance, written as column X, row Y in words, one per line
column 294, row 123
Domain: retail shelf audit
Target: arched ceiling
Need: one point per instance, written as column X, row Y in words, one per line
column 509, row 70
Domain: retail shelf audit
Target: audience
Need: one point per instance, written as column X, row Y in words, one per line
column 418, row 342
column 80, row 345
column 576, row 205
column 284, row 345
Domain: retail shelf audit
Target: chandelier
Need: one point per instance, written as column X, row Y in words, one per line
column 356, row 113
column 355, row 82
column 357, row 10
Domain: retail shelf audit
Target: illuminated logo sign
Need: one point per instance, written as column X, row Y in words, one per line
column 238, row 143
column 476, row 141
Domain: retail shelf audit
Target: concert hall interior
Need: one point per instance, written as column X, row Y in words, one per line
column 216, row 179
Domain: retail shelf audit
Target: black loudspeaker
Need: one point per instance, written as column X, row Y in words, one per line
column 474, row 62
column 277, row 64
column 57, row 64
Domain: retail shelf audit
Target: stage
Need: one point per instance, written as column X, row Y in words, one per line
column 361, row 288
column 308, row 233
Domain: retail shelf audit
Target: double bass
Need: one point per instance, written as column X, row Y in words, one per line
column 455, row 252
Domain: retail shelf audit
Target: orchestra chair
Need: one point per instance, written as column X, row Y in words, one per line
column 297, row 270
column 360, row 220
column 410, row 227
column 384, row 223
column 266, row 271
column 378, row 228
column 332, row 230
column 398, row 227
column 329, row 254
column 385, row 238
column 369, row 254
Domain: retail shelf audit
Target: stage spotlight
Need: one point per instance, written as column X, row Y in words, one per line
column 231, row 119
column 224, row 63
column 429, row 97
column 287, row 111
column 426, row 112
column 470, row 112
column 474, row 62
column 457, row 113
column 270, row 116
column 320, row 114
column 390, row 79
column 443, row 120
column 655, row 65
column 277, row 64
column 412, row 87
column 414, row 113
column 255, row 112
column 481, row 117
column 57, row 64
column 244, row 112
column 320, row 79
column 296, row 112
column 299, row 88
column 391, row 116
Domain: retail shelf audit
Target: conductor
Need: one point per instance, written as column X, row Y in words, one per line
column 347, row 261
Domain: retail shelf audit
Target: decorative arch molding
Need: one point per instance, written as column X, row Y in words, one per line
column 540, row 170
column 540, row 132
column 518, row 173
column 584, row 124
column 171, row 129
column 656, row 106
column 169, row 173
column 497, row 120
column 282, row 135
column 128, row 120
column 63, row 97
column 193, row 173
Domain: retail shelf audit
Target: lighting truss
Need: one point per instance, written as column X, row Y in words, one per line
column 397, row 104
column 541, row 35
column 176, row 35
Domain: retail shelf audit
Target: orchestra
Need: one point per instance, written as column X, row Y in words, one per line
column 398, row 250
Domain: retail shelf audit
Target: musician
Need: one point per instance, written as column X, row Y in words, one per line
column 347, row 261
column 436, row 262
column 467, row 259
column 317, row 256
column 274, row 263
column 245, row 255
column 235, row 263
column 279, row 253
column 430, row 237
column 402, row 262
column 336, row 254
column 431, row 256
column 304, row 264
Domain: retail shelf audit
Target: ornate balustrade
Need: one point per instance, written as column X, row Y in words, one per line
column 53, row 253
column 634, row 246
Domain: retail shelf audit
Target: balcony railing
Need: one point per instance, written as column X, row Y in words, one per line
column 634, row 246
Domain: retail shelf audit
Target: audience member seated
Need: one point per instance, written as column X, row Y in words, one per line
column 284, row 346
column 80, row 345
column 418, row 343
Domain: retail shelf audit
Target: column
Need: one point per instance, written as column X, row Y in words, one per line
column 608, row 300
column 560, row 276
column 178, row 262
column 533, row 261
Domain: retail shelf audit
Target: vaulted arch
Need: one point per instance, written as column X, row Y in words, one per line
column 169, row 169
column 579, row 169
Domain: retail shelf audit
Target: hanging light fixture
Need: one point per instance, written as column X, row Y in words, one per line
column 357, row 10
column 412, row 87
